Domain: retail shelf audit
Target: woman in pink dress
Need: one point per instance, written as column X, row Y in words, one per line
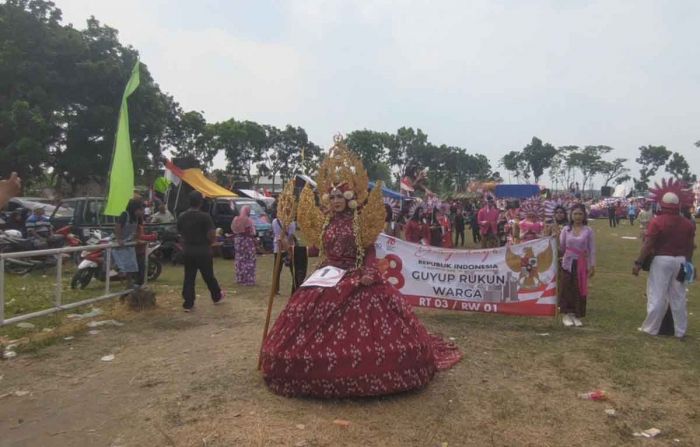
column 531, row 227
column 354, row 338
column 577, row 244
column 244, row 245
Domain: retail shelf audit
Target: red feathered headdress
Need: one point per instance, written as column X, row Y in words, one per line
column 671, row 194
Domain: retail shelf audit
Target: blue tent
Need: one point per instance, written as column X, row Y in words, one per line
column 388, row 193
column 517, row 191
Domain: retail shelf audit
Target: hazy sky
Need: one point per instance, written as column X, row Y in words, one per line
column 486, row 75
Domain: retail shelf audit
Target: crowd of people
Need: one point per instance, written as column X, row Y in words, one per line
column 356, row 336
column 492, row 222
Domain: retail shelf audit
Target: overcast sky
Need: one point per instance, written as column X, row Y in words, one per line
column 486, row 75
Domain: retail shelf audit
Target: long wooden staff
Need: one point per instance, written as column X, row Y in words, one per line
column 286, row 208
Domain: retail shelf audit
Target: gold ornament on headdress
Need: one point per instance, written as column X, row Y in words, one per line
column 310, row 218
column 343, row 170
column 287, row 205
column 342, row 167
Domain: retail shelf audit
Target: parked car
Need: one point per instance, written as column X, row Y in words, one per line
column 224, row 209
column 85, row 214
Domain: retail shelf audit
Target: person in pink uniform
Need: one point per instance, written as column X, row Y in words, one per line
column 577, row 243
column 488, row 224
column 530, row 227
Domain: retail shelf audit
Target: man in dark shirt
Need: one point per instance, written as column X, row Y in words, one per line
column 198, row 234
column 474, row 224
column 612, row 219
column 459, row 227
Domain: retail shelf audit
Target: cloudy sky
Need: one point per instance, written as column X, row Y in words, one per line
column 486, row 75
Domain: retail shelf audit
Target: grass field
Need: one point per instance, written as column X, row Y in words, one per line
column 516, row 386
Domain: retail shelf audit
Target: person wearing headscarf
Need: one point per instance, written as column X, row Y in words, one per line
column 243, row 230
column 670, row 240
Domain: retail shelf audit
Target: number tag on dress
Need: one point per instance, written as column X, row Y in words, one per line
column 324, row 277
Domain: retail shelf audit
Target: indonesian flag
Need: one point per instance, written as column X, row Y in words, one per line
column 173, row 173
column 407, row 185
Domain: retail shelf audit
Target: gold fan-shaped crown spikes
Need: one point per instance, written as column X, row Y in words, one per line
column 342, row 166
column 287, row 204
column 372, row 216
column 309, row 217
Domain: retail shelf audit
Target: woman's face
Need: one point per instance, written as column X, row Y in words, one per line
column 559, row 215
column 577, row 216
column 338, row 203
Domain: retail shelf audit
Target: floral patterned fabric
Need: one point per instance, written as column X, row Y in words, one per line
column 244, row 247
column 350, row 340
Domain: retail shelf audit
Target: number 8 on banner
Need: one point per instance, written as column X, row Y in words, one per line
column 391, row 266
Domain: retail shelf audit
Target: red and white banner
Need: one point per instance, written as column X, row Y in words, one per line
column 173, row 173
column 516, row 280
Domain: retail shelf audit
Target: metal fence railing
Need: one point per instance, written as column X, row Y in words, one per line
column 58, row 305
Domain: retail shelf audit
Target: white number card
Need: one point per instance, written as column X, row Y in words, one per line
column 324, row 277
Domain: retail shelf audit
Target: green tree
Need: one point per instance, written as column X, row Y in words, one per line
column 61, row 89
column 612, row 170
column 373, row 148
column 651, row 158
column 243, row 143
column 560, row 170
column 678, row 167
column 589, row 161
column 406, row 148
column 514, row 162
column 191, row 136
column 538, row 156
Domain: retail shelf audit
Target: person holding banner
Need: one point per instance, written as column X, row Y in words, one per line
column 347, row 332
column 531, row 227
column 415, row 230
column 488, row 224
column 446, row 229
column 577, row 243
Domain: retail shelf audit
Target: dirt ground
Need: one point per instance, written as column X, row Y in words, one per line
column 182, row 379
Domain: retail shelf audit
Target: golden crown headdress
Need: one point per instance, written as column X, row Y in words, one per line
column 343, row 170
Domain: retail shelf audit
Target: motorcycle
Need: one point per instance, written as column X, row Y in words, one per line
column 11, row 241
column 93, row 263
column 171, row 249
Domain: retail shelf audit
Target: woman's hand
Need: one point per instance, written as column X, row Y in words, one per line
column 591, row 272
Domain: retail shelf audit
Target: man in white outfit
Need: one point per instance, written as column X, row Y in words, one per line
column 670, row 238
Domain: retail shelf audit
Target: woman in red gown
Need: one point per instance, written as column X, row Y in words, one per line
column 357, row 338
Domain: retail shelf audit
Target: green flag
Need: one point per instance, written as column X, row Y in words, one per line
column 121, row 174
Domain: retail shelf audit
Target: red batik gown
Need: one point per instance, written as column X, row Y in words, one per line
column 350, row 340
